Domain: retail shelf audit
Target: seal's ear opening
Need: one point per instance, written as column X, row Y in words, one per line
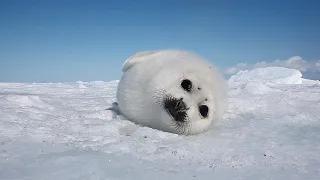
column 136, row 58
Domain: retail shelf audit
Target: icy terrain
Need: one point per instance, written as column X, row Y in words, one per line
column 271, row 130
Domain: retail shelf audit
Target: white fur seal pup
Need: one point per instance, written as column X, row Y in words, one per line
column 175, row 91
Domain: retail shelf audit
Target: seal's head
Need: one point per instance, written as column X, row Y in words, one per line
column 171, row 90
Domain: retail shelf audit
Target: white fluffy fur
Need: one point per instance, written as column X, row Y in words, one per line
column 148, row 74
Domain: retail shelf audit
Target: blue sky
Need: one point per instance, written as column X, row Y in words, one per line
column 63, row 41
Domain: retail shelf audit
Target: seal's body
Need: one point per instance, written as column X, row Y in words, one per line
column 171, row 90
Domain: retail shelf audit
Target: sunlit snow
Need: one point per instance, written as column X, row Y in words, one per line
column 271, row 130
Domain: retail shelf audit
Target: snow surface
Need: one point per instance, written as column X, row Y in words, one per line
column 271, row 130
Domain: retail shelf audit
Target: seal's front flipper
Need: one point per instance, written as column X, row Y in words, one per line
column 115, row 108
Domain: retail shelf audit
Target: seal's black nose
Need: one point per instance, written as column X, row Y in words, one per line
column 176, row 108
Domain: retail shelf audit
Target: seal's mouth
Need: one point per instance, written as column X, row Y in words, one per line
column 176, row 108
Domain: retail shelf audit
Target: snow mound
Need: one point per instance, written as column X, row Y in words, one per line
column 262, row 80
column 310, row 81
column 268, row 75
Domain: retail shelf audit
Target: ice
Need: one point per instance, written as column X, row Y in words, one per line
column 310, row 69
column 276, row 75
column 309, row 81
column 262, row 80
column 67, row 131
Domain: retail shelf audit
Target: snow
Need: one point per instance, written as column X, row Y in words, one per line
column 263, row 80
column 309, row 68
column 309, row 81
column 63, row 131
column 276, row 75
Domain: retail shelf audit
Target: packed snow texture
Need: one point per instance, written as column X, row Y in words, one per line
column 271, row 130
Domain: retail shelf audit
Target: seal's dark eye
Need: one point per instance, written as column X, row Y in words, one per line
column 186, row 84
column 203, row 109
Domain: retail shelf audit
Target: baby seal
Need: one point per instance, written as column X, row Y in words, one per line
column 175, row 91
